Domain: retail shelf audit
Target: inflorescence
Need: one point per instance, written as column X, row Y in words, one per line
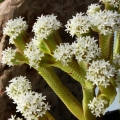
column 97, row 106
column 7, row 56
column 100, row 72
column 29, row 103
column 14, row 28
column 45, row 25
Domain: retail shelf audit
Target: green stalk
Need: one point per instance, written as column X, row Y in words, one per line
column 49, row 45
column 21, row 40
column 106, row 45
column 47, row 116
column 109, row 92
column 73, row 70
column 117, row 43
column 88, row 94
column 110, row 7
column 64, row 94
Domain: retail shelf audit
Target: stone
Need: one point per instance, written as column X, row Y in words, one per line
column 30, row 9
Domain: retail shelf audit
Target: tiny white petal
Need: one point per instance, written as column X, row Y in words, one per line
column 13, row 118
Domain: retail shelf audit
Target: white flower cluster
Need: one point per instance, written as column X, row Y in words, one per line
column 106, row 21
column 116, row 59
column 17, row 86
column 14, row 28
column 97, row 106
column 93, row 8
column 63, row 53
column 7, row 56
column 30, row 104
column 100, row 72
column 79, row 24
column 85, row 49
column 114, row 3
column 33, row 106
column 33, row 53
column 13, row 118
column 45, row 25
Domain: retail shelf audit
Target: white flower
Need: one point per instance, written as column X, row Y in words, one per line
column 45, row 25
column 93, row 8
column 97, row 106
column 33, row 53
column 17, row 86
column 14, row 28
column 114, row 3
column 13, row 118
column 79, row 24
column 106, row 21
column 100, row 72
column 116, row 59
column 32, row 105
column 63, row 53
column 7, row 56
column 85, row 49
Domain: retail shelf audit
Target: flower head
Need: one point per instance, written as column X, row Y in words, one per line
column 114, row 3
column 45, row 25
column 17, row 86
column 14, row 28
column 7, row 56
column 97, row 106
column 32, row 105
column 63, row 53
column 105, row 21
column 100, row 72
column 79, row 24
column 33, row 53
column 85, row 49
column 93, row 8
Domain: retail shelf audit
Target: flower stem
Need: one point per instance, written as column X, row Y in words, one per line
column 64, row 94
column 88, row 94
column 109, row 92
column 117, row 43
column 74, row 70
column 47, row 116
column 106, row 45
column 21, row 40
column 49, row 45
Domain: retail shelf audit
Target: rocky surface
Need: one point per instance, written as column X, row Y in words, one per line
column 30, row 9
